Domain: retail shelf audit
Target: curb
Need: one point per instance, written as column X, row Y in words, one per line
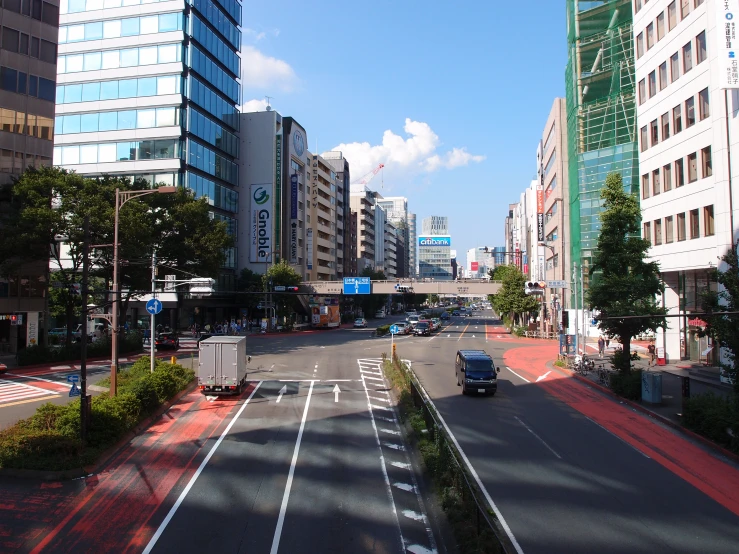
column 646, row 411
column 78, row 473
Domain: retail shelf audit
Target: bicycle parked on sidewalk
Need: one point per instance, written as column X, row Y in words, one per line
column 583, row 365
column 604, row 376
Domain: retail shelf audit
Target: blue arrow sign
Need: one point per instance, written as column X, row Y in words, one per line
column 357, row 285
column 73, row 378
column 74, row 391
column 394, row 329
column 153, row 306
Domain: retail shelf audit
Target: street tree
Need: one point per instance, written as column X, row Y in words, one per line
column 512, row 300
column 722, row 327
column 248, row 283
column 282, row 274
column 623, row 280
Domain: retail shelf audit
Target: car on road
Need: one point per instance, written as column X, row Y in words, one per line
column 167, row 340
column 436, row 323
column 413, row 320
column 456, row 313
column 403, row 328
column 475, row 372
column 422, row 328
column 444, row 316
column 360, row 323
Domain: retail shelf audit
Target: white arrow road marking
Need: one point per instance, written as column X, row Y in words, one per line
column 210, row 398
column 542, row 377
column 473, row 336
column 337, row 390
column 279, row 395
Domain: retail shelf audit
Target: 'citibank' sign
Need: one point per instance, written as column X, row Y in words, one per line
column 434, row 241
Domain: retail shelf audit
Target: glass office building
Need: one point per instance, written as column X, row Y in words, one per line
column 150, row 90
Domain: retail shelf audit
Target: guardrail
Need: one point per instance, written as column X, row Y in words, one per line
column 466, row 482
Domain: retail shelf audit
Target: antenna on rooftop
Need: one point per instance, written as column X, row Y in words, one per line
column 269, row 108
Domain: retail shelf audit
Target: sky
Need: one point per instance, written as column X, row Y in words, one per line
column 451, row 96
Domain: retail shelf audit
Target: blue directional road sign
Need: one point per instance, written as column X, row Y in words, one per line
column 357, row 285
column 74, row 391
column 73, row 378
column 394, row 329
column 154, row 306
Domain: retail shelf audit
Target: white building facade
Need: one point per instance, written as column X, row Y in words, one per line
column 479, row 262
column 685, row 164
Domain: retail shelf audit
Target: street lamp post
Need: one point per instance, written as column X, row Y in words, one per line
column 121, row 197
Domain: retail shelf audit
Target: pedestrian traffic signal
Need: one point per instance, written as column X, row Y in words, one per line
column 532, row 287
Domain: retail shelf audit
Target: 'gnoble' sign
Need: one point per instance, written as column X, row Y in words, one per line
column 261, row 222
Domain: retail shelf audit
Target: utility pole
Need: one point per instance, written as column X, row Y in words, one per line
column 577, row 317
column 582, row 305
column 152, row 348
column 84, row 399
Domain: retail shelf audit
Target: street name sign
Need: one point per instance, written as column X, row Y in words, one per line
column 357, row 285
column 557, row 284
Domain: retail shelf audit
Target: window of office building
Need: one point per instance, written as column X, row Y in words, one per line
column 667, row 177
column 643, row 138
column 706, row 162
column 642, row 91
column 674, row 67
column 684, row 8
column 650, row 35
column 687, row 57
column 677, row 119
column 708, row 226
column 658, row 232
column 704, row 108
column 656, row 186
column 695, row 228
column 648, row 232
column 679, row 173
column 652, row 84
column 639, row 45
column 654, row 132
column 700, row 48
column 692, row 167
column 681, row 227
column 669, row 231
column 665, row 126
column 663, row 76
column 672, row 16
column 690, row 112
column 660, row 26
column 645, row 186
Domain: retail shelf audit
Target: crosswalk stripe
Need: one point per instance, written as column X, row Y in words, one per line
column 10, row 391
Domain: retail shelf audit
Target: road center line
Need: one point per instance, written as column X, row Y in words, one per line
column 530, row 430
column 517, row 375
column 288, row 486
column 183, row 494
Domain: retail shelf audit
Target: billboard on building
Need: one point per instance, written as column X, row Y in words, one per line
column 309, row 248
column 727, row 43
column 294, row 218
column 261, row 223
column 539, row 213
column 434, row 240
column 474, row 266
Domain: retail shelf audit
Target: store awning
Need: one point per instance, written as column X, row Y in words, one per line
column 168, row 299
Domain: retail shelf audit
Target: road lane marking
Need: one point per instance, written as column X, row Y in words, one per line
column 184, row 493
column 404, row 487
column 530, row 430
column 475, row 476
column 283, row 390
column 517, row 375
column 542, row 377
column 463, row 332
column 410, row 514
column 336, row 392
column 289, row 484
column 619, row 438
column 390, row 432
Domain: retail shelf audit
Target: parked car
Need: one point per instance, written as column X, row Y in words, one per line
column 360, row 323
column 422, row 328
column 168, row 340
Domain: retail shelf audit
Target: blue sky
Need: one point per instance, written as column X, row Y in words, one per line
column 451, row 96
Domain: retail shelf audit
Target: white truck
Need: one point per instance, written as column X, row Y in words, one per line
column 222, row 365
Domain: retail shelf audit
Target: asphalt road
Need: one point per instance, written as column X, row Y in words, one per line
column 562, row 482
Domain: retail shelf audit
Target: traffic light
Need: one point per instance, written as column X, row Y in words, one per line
column 533, row 287
column 565, row 320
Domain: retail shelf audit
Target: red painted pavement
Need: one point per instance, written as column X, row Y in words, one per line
column 713, row 477
column 114, row 511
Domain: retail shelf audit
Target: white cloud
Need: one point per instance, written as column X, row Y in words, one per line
column 255, row 105
column 416, row 152
column 255, row 36
column 260, row 71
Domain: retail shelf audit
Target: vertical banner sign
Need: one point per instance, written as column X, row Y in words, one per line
column 474, row 266
column 32, row 329
column 261, row 223
column 278, row 195
column 540, row 213
column 309, row 248
column 294, row 218
column 727, row 12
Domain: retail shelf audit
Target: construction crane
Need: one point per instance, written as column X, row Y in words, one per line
column 371, row 175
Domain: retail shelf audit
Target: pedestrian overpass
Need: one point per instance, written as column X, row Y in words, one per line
column 464, row 287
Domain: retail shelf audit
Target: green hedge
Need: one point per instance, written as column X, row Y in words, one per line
column 130, row 342
column 628, row 384
column 49, row 439
column 383, row 330
column 715, row 417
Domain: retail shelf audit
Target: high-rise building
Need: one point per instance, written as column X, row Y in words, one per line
column 362, row 202
column 434, row 249
column 150, row 90
column 344, row 252
column 30, row 31
column 396, row 208
column 683, row 68
column 601, row 114
column 380, row 235
column 480, row 260
column 391, row 250
column 412, row 246
column 511, row 246
column 321, row 221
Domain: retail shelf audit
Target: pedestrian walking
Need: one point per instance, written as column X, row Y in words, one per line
column 601, row 346
column 652, row 353
column 608, row 342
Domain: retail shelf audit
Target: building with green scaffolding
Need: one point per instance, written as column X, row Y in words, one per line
column 601, row 114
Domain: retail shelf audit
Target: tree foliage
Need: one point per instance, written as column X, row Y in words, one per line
column 282, row 274
column 723, row 327
column 623, row 281
column 512, row 299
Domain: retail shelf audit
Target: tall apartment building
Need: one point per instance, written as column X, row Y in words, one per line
column 554, row 182
column 150, row 89
column 412, row 246
column 391, row 250
column 601, row 117
column 512, row 246
column 321, row 223
column 396, row 208
column 362, row 202
column 434, row 249
column 28, row 55
column 687, row 192
column 344, row 252
column 380, row 236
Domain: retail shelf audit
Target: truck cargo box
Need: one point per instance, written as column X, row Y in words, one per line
column 222, row 365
